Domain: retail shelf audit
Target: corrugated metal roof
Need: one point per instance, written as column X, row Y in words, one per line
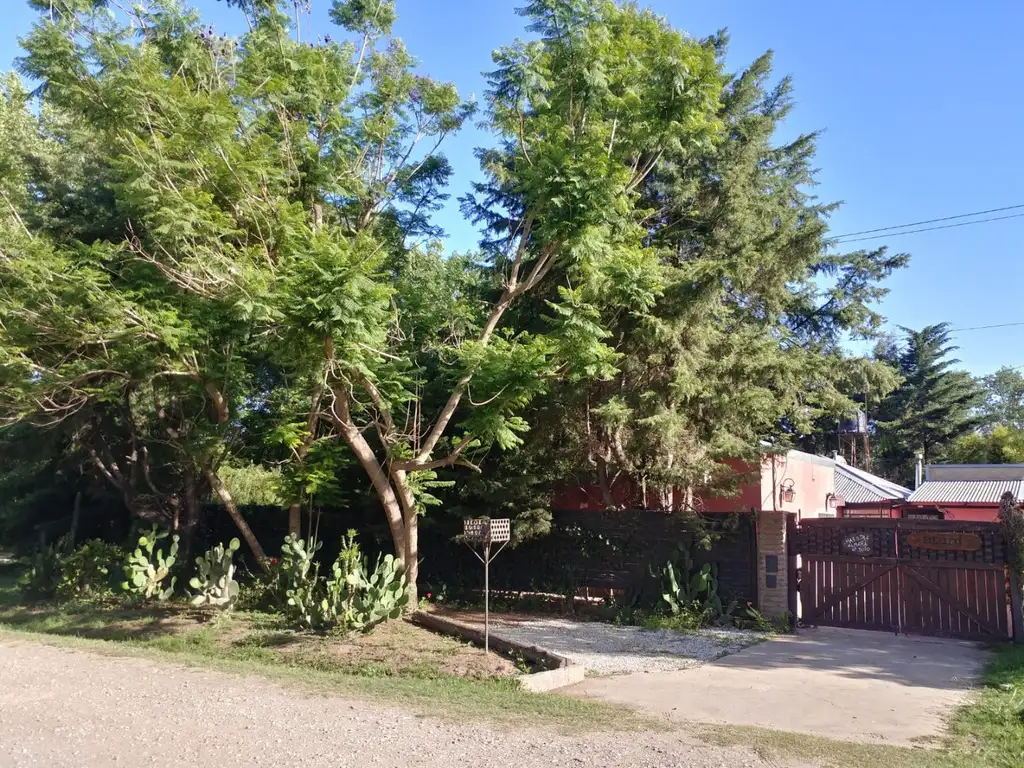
column 965, row 491
column 855, row 486
column 993, row 472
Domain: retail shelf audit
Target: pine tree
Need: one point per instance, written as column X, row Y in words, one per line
column 933, row 406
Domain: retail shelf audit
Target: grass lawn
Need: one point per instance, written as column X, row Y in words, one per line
column 990, row 731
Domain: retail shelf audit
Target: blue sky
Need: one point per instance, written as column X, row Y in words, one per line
column 920, row 104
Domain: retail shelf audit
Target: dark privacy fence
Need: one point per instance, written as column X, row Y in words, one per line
column 599, row 550
column 606, row 550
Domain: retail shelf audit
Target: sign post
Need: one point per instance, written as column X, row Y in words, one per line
column 485, row 532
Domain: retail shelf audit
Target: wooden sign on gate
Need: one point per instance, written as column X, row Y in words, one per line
column 945, row 541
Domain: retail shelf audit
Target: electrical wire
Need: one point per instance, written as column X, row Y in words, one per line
column 931, row 221
column 931, row 229
column 985, row 327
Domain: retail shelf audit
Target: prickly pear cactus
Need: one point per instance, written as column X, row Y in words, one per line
column 302, row 582
column 214, row 581
column 148, row 568
column 379, row 597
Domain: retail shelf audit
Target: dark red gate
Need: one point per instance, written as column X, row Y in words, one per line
column 925, row 577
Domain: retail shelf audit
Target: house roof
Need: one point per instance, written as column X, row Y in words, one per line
column 855, row 486
column 992, row 472
column 965, row 491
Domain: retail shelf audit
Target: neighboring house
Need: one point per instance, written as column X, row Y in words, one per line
column 964, row 491
column 862, row 494
column 790, row 482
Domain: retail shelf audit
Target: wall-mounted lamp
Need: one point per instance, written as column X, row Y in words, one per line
column 833, row 501
column 787, row 493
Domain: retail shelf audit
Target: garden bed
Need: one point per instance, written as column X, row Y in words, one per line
column 393, row 649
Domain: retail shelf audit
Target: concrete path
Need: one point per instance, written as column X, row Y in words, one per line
column 842, row 684
column 604, row 649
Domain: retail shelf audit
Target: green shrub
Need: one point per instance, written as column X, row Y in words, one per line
column 688, row 589
column 263, row 592
column 39, row 581
column 148, row 568
column 88, row 571
column 684, row 621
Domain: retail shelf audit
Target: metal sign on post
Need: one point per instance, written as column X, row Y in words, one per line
column 485, row 532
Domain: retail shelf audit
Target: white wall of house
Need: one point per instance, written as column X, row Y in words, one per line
column 812, row 478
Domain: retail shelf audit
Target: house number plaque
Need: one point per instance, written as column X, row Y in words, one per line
column 956, row 542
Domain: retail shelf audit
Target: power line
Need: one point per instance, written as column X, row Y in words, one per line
column 932, row 221
column 985, row 327
column 932, row 229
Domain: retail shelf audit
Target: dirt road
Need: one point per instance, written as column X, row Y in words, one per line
column 62, row 707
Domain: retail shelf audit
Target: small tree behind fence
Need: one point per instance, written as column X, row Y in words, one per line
column 1011, row 515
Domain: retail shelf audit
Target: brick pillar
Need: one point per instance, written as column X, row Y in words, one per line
column 772, row 561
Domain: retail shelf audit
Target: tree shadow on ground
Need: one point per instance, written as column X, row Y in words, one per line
column 104, row 623
column 865, row 655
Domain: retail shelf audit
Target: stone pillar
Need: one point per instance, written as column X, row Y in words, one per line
column 772, row 564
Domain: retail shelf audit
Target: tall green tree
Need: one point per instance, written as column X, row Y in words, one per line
column 1004, row 397
column 260, row 256
column 582, row 116
column 246, row 176
column 933, row 406
column 1001, row 444
column 724, row 327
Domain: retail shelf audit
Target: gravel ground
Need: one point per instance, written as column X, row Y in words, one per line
column 62, row 707
column 606, row 649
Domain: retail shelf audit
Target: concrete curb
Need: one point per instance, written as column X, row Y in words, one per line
column 560, row 671
column 539, row 682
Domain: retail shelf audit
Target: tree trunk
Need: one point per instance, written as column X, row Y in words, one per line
column 190, row 524
column 607, row 498
column 76, row 513
column 243, row 527
column 412, row 560
column 295, row 520
column 295, row 510
column 381, row 482
column 410, row 554
column 392, row 490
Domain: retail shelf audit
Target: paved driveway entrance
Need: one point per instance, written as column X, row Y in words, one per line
column 839, row 683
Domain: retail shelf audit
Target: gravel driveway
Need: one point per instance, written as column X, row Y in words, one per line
column 606, row 649
column 61, row 707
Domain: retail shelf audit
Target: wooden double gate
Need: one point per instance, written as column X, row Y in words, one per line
column 926, row 577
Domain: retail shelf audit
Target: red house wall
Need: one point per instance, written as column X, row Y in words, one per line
column 985, row 514
column 749, row 495
column 977, row 513
column 756, row 489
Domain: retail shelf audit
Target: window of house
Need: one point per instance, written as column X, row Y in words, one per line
column 869, row 512
column 923, row 514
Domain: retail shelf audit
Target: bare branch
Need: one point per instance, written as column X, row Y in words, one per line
column 455, row 457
